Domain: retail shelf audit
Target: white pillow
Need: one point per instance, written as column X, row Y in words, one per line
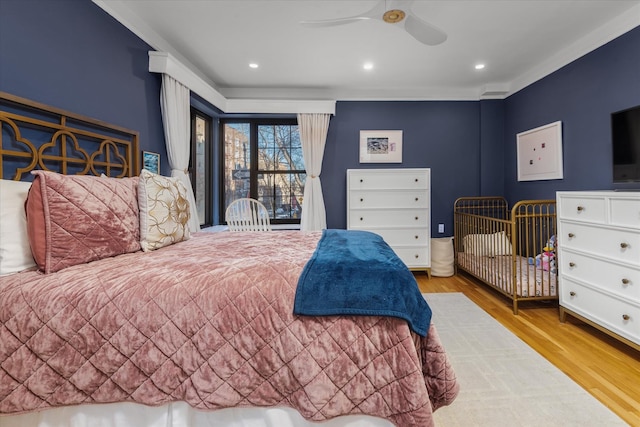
column 502, row 244
column 478, row 244
column 15, row 252
column 487, row 244
column 164, row 211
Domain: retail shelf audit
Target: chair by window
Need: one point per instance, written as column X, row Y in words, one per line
column 247, row 215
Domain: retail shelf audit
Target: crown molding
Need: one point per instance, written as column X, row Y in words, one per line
column 283, row 106
column 164, row 62
column 595, row 39
column 268, row 100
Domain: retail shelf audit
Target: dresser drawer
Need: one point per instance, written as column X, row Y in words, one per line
column 404, row 236
column 621, row 245
column 591, row 209
column 611, row 277
column 414, row 257
column 389, row 179
column 625, row 212
column 614, row 314
column 359, row 199
column 363, row 218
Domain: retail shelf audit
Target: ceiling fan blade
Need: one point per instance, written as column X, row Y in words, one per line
column 333, row 22
column 374, row 13
column 423, row 31
column 393, row 12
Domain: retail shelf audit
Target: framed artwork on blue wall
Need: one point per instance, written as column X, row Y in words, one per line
column 540, row 153
column 380, row 146
column 151, row 161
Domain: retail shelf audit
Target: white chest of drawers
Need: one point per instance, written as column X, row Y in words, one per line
column 396, row 204
column 599, row 260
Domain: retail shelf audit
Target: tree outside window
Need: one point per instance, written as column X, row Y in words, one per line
column 263, row 160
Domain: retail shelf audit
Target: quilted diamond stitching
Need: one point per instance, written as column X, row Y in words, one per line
column 87, row 219
column 156, row 355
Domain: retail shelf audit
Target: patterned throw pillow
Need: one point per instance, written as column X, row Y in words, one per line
column 164, row 211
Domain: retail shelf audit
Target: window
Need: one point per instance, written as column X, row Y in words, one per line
column 263, row 160
column 199, row 168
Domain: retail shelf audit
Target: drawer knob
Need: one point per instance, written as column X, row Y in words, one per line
column 417, row 256
column 416, row 237
column 571, row 235
column 580, row 208
column 361, row 199
column 361, row 180
column 626, row 281
column 416, row 179
column 572, row 264
column 624, row 245
column 626, row 317
column 573, row 294
column 416, row 199
column 416, row 218
column 361, row 218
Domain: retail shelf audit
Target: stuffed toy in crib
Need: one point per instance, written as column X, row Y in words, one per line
column 547, row 259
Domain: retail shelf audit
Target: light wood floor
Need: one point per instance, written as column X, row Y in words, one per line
column 606, row 368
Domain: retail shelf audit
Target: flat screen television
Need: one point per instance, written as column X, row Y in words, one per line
column 625, row 138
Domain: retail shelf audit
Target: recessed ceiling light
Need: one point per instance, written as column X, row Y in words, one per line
column 368, row 66
column 479, row 66
column 253, row 65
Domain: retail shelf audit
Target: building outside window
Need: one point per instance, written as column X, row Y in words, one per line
column 263, row 160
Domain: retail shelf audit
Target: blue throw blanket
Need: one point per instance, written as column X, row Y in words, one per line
column 356, row 272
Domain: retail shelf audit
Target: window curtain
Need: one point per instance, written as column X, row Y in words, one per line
column 313, row 135
column 175, row 106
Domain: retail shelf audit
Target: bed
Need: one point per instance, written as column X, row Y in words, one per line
column 511, row 250
column 110, row 316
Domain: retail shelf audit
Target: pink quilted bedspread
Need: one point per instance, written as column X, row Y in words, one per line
column 209, row 321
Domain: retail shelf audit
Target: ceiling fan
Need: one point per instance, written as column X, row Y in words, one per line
column 392, row 12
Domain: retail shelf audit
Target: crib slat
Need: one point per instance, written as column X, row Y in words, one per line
column 482, row 224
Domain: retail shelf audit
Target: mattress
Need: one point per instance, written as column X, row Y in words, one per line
column 498, row 271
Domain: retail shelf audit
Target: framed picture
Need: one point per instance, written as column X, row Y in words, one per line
column 151, row 161
column 540, row 153
column 380, row 146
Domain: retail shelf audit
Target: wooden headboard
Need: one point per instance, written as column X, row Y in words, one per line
column 37, row 136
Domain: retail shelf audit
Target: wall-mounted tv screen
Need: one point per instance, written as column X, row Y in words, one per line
column 625, row 137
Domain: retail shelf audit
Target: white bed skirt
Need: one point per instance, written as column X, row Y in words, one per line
column 177, row 414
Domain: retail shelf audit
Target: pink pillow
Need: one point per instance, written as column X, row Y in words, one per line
column 74, row 219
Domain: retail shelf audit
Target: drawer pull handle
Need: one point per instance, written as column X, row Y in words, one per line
column 580, row 208
column 626, row 317
column 417, row 256
column 416, row 237
column 624, row 245
column 416, row 179
column 625, row 281
column 571, row 235
column 361, row 218
column 362, row 200
column 573, row 294
column 416, row 199
column 361, row 180
column 416, row 218
column 572, row 264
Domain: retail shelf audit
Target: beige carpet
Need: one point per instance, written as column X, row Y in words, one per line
column 503, row 381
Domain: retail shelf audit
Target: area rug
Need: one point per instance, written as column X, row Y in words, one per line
column 503, row 381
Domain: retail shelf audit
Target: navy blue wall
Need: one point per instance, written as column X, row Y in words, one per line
column 582, row 95
column 72, row 55
column 443, row 136
column 491, row 148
